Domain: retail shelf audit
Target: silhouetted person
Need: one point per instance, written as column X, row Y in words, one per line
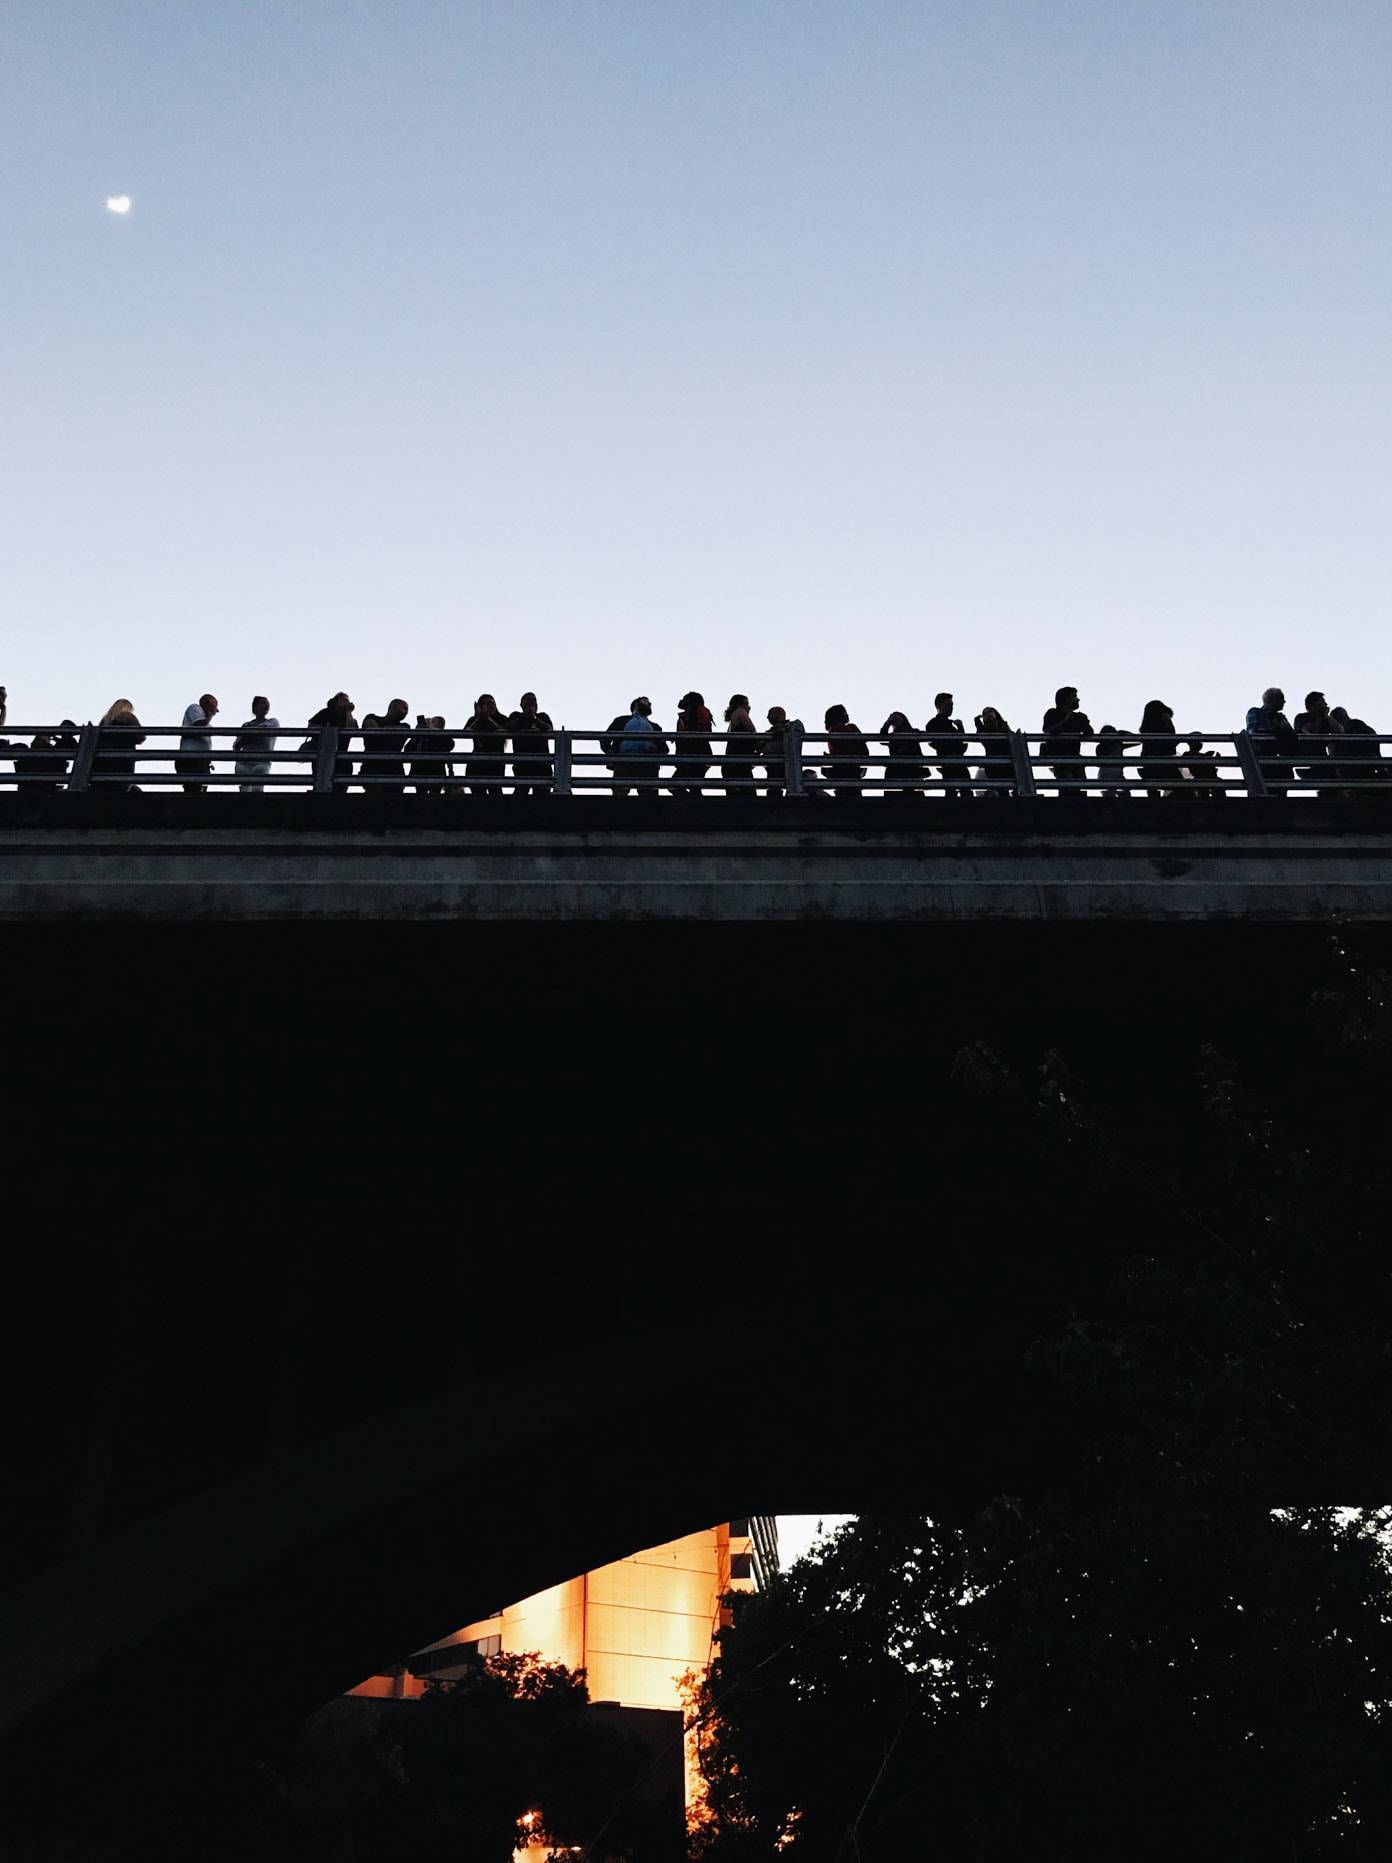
column 904, row 776
column 641, row 749
column 367, row 724
column 1198, row 771
column 692, row 746
column 1272, row 737
column 848, row 755
column 489, row 733
column 1360, row 754
column 336, row 715
column 55, row 750
column 120, row 733
column 40, row 766
column 531, row 731
column 1065, row 727
column 1111, row 761
column 384, row 745
column 948, row 740
column 993, row 734
column 194, row 760
column 610, row 744
column 783, row 732
column 429, row 748
column 1315, row 722
column 253, row 745
column 1158, row 747
column 737, row 769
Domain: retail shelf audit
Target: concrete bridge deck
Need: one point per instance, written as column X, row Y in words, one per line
column 383, row 858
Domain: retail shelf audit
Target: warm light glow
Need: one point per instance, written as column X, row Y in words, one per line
column 119, row 203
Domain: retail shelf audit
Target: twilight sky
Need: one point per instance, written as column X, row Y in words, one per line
column 825, row 351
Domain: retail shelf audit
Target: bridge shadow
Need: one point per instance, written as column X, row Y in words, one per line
column 379, row 1276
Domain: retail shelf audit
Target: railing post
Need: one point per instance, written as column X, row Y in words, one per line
column 561, row 784
column 1024, row 769
column 84, row 757
column 1252, row 776
column 324, row 759
column 792, row 758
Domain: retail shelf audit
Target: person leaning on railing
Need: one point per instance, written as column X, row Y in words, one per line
column 948, row 739
column 692, row 747
column 338, row 713
column 904, row 777
column 531, row 730
column 384, row 737
column 1065, row 727
column 1272, row 737
column 1198, row 772
column 737, row 769
column 195, row 759
column 849, row 755
column 1158, row 746
column 1360, row 754
column 429, row 750
column 776, row 746
column 993, row 735
column 641, row 748
column 120, row 733
column 253, row 745
column 489, row 733
column 55, row 752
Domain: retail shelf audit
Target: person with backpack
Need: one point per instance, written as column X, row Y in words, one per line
column 1273, row 738
column 692, row 748
column 639, row 753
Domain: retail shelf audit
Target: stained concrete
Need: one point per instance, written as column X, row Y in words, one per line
column 368, row 858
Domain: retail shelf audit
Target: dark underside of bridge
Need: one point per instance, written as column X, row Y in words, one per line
column 365, row 1275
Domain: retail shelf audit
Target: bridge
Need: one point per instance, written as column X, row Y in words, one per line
column 801, row 834
column 362, row 1278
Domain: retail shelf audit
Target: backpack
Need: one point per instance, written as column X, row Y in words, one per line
column 609, row 743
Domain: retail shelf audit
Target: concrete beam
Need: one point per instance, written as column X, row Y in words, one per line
column 367, row 858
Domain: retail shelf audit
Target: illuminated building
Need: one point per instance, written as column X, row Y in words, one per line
column 636, row 1627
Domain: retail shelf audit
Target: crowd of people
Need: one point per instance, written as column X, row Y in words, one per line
column 1324, row 747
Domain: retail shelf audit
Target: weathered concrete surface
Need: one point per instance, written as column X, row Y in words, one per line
column 225, row 857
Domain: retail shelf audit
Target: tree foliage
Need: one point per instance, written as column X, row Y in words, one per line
column 1147, row 1657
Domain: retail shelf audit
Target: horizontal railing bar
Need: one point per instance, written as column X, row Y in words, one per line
column 541, row 745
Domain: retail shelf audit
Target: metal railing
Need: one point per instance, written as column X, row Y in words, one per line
column 742, row 766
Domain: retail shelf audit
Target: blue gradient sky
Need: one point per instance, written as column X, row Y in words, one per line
column 830, row 352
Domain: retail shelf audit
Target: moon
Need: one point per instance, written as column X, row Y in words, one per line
column 119, row 203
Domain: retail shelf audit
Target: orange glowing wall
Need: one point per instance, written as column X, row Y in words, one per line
column 636, row 1626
